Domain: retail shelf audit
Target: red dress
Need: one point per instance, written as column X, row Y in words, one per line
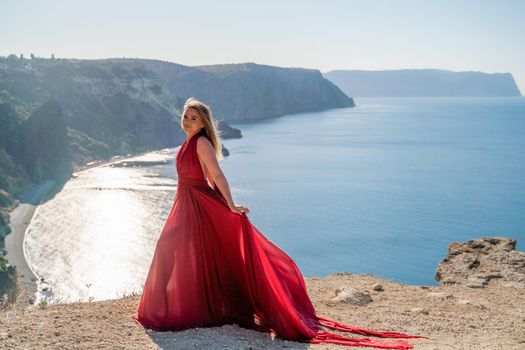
column 213, row 267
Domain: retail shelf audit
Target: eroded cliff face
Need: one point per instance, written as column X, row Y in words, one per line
column 43, row 147
column 476, row 262
column 250, row 92
column 108, row 108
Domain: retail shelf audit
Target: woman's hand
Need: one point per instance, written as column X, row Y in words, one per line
column 239, row 209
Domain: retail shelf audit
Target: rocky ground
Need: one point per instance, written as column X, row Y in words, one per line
column 490, row 315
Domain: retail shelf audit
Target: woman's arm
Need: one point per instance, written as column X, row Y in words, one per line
column 206, row 153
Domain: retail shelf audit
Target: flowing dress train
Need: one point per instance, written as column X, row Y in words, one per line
column 213, row 267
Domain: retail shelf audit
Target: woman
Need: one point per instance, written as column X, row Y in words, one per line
column 212, row 266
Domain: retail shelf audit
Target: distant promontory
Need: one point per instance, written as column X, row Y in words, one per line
column 423, row 83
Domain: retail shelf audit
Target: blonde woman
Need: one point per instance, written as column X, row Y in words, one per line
column 212, row 266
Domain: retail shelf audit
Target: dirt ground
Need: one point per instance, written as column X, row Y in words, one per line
column 454, row 317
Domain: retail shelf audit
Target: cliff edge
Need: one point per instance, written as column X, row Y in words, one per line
column 454, row 316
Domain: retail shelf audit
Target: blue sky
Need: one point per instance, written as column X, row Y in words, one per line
column 459, row 35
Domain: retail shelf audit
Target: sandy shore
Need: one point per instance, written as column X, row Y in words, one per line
column 454, row 317
column 20, row 218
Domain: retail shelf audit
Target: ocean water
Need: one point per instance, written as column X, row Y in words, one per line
column 381, row 188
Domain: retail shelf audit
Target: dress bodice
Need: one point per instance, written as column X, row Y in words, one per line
column 187, row 161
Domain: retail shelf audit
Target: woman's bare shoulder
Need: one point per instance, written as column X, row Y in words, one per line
column 203, row 139
column 204, row 143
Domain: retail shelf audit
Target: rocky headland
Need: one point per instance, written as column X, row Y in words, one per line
column 424, row 83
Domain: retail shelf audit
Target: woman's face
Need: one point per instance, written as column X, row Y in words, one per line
column 191, row 121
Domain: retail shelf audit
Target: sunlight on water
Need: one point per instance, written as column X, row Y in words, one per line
column 95, row 239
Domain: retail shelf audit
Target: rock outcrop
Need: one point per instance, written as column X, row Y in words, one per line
column 349, row 295
column 478, row 261
column 44, row 144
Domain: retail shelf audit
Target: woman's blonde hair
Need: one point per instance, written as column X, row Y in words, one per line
column 211, row 126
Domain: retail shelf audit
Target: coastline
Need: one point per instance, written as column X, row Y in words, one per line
column 20, row 218
column 22, row 214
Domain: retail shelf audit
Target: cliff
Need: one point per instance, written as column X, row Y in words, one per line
column 43, row 144
column 121, row 106
column 423, row 83
column 31, row 151
column 250, row 92
column 107, row 108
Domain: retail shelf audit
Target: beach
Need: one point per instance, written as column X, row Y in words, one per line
column 14, row 242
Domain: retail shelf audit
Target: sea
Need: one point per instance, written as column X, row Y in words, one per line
column 381, row 188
